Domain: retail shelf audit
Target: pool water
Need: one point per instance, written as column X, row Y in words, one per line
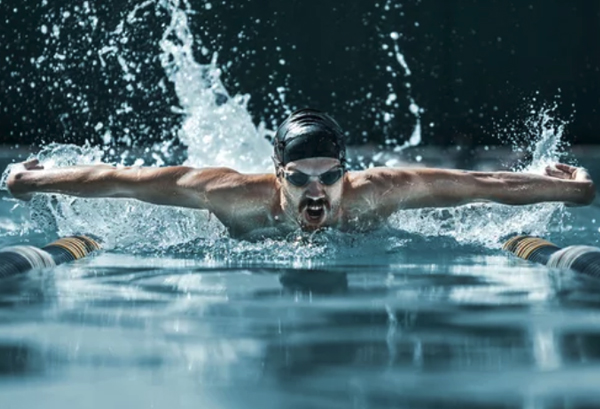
column 427, row 313
column 389, row 319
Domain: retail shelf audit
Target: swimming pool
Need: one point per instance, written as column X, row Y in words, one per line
column 427, row 313
column 387, row 319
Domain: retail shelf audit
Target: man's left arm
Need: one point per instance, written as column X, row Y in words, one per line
column 414, row 188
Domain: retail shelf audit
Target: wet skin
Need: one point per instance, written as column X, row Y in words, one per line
column 269, row 204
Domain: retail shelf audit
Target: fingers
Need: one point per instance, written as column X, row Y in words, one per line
column 575, row 173
column 32, row 164
column 565, row 168
column 557, row 173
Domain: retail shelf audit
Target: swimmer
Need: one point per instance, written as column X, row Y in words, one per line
column 310, row 189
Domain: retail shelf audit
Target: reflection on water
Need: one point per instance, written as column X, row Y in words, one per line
column 18, row 360
column 482, row 331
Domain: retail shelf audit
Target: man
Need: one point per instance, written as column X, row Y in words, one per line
column 311, row 189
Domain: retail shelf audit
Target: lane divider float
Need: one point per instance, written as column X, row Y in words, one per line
column 22, row 258
column 581, row 259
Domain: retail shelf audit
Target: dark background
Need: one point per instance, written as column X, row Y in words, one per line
column 478, row 67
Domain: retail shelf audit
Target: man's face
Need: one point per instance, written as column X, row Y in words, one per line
column 312, row 190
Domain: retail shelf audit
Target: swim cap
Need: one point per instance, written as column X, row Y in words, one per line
column 308, row 133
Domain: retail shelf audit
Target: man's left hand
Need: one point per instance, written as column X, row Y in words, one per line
column 575, row 174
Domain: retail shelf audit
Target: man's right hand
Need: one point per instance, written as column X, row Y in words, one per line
column 18, row 171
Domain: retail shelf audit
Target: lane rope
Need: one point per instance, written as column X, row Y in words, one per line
column 22, row 258
column 581, row 259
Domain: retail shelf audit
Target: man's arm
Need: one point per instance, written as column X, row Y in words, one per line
column 176, row 186
column 403, row 189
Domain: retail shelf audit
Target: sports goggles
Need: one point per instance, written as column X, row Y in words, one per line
column 328, row 178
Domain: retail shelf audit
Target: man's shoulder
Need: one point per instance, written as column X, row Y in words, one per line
column 370, row 190
column 231, row 178
column 223, row 188
column 376, row 178
column 260, row 183
column 241, row 201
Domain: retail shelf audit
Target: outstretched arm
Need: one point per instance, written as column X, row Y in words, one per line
column 176, row 186
column 402, row 189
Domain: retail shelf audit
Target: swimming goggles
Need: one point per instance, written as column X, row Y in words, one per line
column 328, row 178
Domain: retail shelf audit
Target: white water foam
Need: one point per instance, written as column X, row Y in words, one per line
column 487, row 223
column 218, row 131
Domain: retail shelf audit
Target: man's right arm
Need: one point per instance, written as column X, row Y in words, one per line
column 175, row 186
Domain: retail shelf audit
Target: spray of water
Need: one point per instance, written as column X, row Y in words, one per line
column 399, row 84
column 488, row 224
column 415, row 110
column 392, row 104
column 218, row 131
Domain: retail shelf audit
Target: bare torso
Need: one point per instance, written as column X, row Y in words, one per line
column 259, row 212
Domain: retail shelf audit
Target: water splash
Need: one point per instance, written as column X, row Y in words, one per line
column 120, row 223
column 544, row 140
column 394, row 52
column 218, row 129
column 415, row 110
column 488, row 224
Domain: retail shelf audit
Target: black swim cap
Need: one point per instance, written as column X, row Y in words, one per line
column 308, row 133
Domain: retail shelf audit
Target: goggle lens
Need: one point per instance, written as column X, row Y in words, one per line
column 328, row 178
column 297, row 178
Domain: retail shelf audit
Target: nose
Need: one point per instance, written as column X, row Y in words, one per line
column 315, row 190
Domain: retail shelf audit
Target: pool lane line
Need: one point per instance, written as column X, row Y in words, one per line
column 19, row 259
column 581, row 259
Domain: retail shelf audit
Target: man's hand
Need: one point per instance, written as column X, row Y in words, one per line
column 17, row 172
column 577, row 175
column 562, row 171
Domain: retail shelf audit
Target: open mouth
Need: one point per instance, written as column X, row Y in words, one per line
column 315, row 210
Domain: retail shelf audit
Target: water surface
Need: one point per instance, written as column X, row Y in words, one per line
column 411, row 322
